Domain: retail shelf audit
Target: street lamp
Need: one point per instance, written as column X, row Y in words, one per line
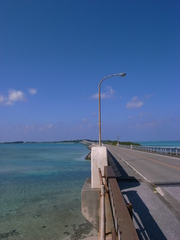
column 112, row 75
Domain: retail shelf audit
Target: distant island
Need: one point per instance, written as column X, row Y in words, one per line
column 111, row 142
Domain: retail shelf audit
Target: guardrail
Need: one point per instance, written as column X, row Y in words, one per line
column 174, row 151
column 123, row 225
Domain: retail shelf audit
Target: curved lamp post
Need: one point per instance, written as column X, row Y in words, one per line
column 112, row 75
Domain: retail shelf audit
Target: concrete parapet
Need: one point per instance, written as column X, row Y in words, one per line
column 98, row 160
column 90, row 203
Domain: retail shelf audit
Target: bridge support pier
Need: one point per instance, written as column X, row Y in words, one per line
column 91, row 191
column 90, row 203
column 98, row 160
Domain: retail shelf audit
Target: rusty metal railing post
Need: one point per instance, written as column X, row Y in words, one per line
column 102, row 208
column 102, row 226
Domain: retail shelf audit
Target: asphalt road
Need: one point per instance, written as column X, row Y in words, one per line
column 159, row 169
column 155, row 195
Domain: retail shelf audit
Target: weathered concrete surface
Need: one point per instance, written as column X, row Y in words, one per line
column 90, row 203
column 90, row 206
column 98, row 160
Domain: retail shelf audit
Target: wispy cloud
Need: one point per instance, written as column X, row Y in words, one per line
column 135, row 102
column 32, row 91
column 15, row 96
column 84, row 120
column 148, row 96
column 34, row 128
column 46, row 127
column 28, row 128
column 109, row 93
column 1, row 99
column 148, row 124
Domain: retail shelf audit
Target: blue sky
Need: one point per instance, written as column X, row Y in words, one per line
column 53, row 55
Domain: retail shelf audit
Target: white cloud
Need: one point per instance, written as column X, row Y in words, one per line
column 134, row 103
column 14, row 96
column 32, row 91
column 1, row 99
column 109, row 93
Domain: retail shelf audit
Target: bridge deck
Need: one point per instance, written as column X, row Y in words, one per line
column 156, row 208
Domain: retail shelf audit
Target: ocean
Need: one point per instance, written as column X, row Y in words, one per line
column 40, row 191
column 173, row 144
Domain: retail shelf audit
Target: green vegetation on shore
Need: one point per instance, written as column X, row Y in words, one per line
column 115, row 143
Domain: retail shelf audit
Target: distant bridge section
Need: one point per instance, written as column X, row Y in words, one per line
column 172, row 151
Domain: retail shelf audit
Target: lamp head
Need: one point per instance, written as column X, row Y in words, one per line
column 122, row 74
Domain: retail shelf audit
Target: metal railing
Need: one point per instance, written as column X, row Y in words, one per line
column 123, row 224
column 172, row 151
column 102, row 231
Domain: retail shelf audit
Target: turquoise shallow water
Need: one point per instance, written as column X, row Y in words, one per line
column 40, row 191
column 161, row 143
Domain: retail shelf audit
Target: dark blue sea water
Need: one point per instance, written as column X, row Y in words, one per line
column 40, row 190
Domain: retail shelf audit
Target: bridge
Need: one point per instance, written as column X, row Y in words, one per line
column 141, row 192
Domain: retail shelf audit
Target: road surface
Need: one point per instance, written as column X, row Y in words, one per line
column 154, row 193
